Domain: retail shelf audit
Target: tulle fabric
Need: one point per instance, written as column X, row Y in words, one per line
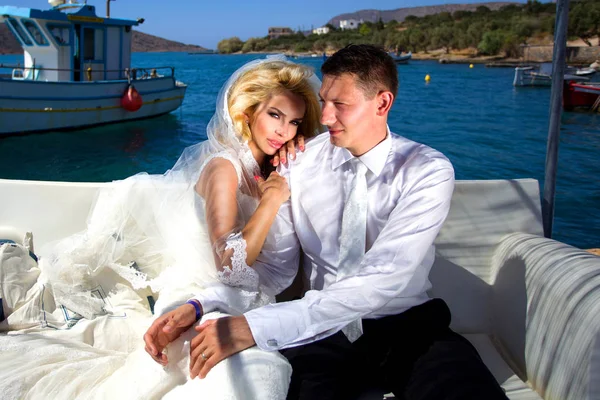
column 147, row 240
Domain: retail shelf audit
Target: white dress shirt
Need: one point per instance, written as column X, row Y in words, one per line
column 409, row 190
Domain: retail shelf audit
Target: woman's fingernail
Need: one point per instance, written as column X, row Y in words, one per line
column 256, row 177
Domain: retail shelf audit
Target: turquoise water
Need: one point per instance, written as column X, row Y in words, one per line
column 488, row 129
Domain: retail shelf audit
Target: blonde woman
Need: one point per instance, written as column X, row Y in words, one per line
column 265, row 104
column 204, row 224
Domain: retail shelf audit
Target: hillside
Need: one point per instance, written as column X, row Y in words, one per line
column 142, row 42
column 400, row 14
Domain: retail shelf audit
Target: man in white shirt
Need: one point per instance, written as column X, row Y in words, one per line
column 366, row 320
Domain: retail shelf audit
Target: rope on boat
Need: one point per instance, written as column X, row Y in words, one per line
column 596, row 104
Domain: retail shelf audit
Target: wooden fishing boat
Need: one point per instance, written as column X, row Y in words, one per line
column 77, row 72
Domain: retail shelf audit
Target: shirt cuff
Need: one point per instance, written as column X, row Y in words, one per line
column 276, row 326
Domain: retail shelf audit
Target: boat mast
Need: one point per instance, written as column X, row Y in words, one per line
column 558, row 73
column 108, row 8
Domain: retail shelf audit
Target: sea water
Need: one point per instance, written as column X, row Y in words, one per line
column 487, row 128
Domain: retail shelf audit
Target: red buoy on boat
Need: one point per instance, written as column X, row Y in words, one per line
column 131, row 100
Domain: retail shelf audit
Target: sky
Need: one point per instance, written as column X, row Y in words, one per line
column 205, row 23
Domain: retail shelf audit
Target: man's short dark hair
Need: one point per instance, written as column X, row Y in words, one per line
column 373, row 68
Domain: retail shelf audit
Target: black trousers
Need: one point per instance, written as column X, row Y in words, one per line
column 415, row 355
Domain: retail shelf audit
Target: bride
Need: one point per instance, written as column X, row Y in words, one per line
column 205, row 223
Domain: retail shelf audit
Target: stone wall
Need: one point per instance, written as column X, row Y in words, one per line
column 575, row 55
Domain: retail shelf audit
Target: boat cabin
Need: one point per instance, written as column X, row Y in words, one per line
column 70, row 42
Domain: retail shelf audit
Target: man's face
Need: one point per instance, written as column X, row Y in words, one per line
column 346, row 112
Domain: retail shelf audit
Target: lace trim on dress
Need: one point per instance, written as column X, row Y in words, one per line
column 240, row 274
column 247, row 159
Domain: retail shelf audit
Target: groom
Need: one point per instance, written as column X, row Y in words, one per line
column 366, row 206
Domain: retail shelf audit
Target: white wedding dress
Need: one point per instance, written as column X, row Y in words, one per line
column 76, row 322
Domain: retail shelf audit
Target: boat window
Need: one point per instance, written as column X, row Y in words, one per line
column 60, row 34
column 20, row 32
column 93, row 44
column 35, row 32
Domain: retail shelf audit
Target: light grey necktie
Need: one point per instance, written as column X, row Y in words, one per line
column 353, row 236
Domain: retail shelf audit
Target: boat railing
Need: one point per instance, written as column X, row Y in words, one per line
column 32, row 73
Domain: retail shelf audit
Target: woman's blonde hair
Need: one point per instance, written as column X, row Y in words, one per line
column 269, row 79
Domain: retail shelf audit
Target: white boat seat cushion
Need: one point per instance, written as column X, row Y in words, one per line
column 514, row 387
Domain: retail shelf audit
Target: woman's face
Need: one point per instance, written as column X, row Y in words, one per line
column 276, row 121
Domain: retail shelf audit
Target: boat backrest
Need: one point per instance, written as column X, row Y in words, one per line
column 50, row 210
column 481, row 214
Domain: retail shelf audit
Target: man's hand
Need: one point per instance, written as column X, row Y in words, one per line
column 166, row 329
column 217, row 340
column 288, row 150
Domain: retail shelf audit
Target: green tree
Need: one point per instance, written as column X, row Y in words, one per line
column 512, row 45
column 483, row 10
column 400, row 40
column 584, row 20
column 364, row 30
column 391, row 24
column 492, row 42
column 533, row 7
column 249, row 45
column 378, row 38
column 261, row 44
column 417, row 39
column 320, row 45
column 301, row 47
column 231, row 45
column 459, row 39
column 460, row 14
column 411, row 19
column 474, row 33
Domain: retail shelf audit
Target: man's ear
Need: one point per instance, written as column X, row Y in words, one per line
column 385, row 99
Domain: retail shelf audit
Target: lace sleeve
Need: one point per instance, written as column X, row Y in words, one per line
column 239, row 274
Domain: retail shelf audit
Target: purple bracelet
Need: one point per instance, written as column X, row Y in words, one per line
column 197, row 307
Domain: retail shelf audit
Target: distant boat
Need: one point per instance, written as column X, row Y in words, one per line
column 77, row 72
column 401, row 58
column 531, row 76
column 541, row 75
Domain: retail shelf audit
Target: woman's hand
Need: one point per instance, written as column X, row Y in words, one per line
column 218, row 339
column 288, row 150
column 166, row 329
column 275, row 188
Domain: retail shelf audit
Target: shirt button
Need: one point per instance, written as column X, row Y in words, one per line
column 272, row 342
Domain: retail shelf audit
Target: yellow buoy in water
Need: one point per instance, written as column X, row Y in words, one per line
column 470, row 65
column 427, row 78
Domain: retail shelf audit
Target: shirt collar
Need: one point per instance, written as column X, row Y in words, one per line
column 374, row 159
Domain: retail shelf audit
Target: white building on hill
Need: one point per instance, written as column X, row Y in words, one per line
column 321, row 31
column 349, row 24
